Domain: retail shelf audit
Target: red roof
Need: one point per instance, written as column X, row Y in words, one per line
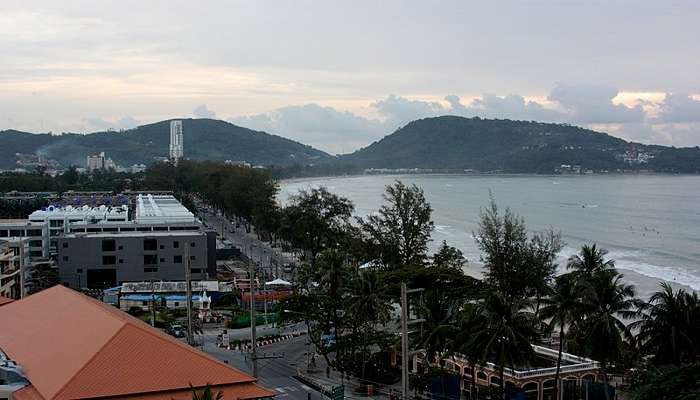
column 5, row 300
column 72, row 346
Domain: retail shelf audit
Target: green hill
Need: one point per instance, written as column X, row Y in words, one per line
column 205, row 139
column 451, row 142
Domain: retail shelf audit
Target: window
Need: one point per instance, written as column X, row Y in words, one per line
column 144, row 229
column 109, row 229
column 177, row 260
column 144, row 303
column 65, row 258
column 150, row 244
column 121, row 247
column 196, row 270
column 121, row 261
column 150, row 269
column 55, row 223
column 109, row 260
column 64, row 245
column 34, row 232
column 3, row 233
column 35, row 243
column 79, row 270
column 160, row 228
column 94, row 230
column 192, row 244
column 177, row 304
column 109, row 244
column 16, row 232
column 162, row 247
column 35, row 254
column 127, row 229
column 176, row 245
column 193, row 258
column 150, row 259
column 162, row 260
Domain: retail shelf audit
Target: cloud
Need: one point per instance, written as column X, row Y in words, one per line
column 679, row 108
column 203, row 112
column 97, row 124
column 513, row 107
column 400, row 110
column 323, row 127
column 594, row 104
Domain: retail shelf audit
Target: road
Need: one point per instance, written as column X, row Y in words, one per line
column 273, row 373
column 269, row 259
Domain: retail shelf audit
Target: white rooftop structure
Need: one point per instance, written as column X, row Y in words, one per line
column 161, row 209
column 87, row 214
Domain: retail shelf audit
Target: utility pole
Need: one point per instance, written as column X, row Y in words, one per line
column 404, row 338
column 188, row 297
column 253, row 344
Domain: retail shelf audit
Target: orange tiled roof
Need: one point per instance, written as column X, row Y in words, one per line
column 72, row 346
column 5, row 300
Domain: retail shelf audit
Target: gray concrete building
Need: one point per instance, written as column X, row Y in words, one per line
column 35, row 233
column 97, row 260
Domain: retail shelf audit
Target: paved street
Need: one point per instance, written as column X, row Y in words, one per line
column 273, row 373
column 268, row 258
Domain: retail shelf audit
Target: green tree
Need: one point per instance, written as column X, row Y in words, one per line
column 398, row 234
column 562, row 308
column 505, row 332
column 315, row 220
column 516, row 266
column 668, row 329
column 591, row 259
column 607, row 302
column 205, row 394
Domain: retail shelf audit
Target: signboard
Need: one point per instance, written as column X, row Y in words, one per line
column 338, row 393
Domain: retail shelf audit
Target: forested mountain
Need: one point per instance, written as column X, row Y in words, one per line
column 441, row 143
column 205, row 139
column 451, row 142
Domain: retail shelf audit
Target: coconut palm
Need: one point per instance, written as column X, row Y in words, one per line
column 205, row 394
column 562, row 308
column 590, row 260
column 607, row 301
column 666, row 329
column 504, row 334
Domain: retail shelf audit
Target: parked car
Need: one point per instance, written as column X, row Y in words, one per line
column 177, row 331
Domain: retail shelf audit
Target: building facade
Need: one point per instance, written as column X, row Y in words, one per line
column 177, row 149
column 13, row 261
column 35, row 233
column 107, row 259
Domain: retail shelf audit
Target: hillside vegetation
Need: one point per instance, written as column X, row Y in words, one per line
column 205, row 139
column 451, row 142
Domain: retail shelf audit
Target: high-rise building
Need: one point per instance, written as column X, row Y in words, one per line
column 176, row 141
column 96, row 161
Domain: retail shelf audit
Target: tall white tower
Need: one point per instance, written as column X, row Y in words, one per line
column 176, row 141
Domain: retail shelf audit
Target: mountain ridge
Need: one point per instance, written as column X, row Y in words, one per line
column 205, row 139
column 453, row 142
column 436, row 143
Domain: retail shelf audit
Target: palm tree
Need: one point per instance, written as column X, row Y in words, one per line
column 368, row 307
column 439, row 328
column 590, row 260
column 562, row 308
column 205, row 394
column 505, row 333
column 607, row 300
column 666, row 329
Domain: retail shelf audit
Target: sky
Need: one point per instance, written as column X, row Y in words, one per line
column 339, row 75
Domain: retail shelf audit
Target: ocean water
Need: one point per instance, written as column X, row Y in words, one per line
column 650, row 224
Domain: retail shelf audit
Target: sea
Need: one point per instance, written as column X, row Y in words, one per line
column 649, row 224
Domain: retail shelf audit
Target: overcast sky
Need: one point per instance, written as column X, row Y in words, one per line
column 339, row 75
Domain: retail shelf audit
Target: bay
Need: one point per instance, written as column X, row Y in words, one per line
column 650, row 224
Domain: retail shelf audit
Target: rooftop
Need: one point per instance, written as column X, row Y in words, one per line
column 72, row 346
column 161, row 208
